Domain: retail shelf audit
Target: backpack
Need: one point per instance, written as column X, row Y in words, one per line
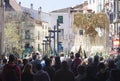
column 11, row 74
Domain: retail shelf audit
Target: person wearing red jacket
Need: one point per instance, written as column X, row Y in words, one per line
column 11, row 75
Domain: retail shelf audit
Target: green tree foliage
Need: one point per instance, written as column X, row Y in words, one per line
column 11, row 33
column 12, row 37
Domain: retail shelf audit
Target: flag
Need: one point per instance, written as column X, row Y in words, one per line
column 85, row 56
column 80, row 51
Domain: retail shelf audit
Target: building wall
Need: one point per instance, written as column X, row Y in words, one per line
column 40, row 32
column 31, row 29
column 64, row 36
column 92, row 4
column 116, row 22
column 96, row 5
column 1, row 28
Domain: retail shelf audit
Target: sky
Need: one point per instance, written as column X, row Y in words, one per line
column 49, row 5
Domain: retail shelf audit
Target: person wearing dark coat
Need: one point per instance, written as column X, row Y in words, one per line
column 57, row 64
column 101, row 73
column 114, row 75
column 89, row 74
column 27, row 74
column 49, row 69
column 11, row 64
column 41, row 75
column 64, row 74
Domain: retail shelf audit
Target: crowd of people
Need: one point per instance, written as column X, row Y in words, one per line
column 60, row 68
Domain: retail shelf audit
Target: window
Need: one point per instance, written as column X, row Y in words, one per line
column 119, row 28
column 90, row 1
column 42, row 26
column 38, row 35
column 119, row 9
column 119, row 5
column 99, row 7
column 119, row 15
column 61, row 33
column 45, row 27
column 46, row 33
column 114, row 9
column 27, row 45
column 38, row 47
column 27, row 34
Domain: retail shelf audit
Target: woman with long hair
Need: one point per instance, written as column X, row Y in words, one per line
column 27, row 74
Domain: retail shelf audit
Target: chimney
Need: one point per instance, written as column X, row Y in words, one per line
column 19, row 3
column 39, row 12
column 39, row 9
column 31, row 5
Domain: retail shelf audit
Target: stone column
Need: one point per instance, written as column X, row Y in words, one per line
column 1, row 27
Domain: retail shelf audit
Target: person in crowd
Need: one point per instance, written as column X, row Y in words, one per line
column 95, row 63
column 25, row 61
column 43, row 61
column 52, row 59
column 77, row 61
column 41, row 75
column 4, row 62
column 57, row 64
column 34, row 62
column 118, row 62
column 101, row 59
column 81, row 73
column 70, row 59
column 111, row 65
column 27, row 74
column 20, row 64
column 101, row 73
column 90, row 60
column 11, row 72
column 49, row 69
column 62, row 57
column 64, row 74
column 89, row 74
column 72, row 55
column 114, row 75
